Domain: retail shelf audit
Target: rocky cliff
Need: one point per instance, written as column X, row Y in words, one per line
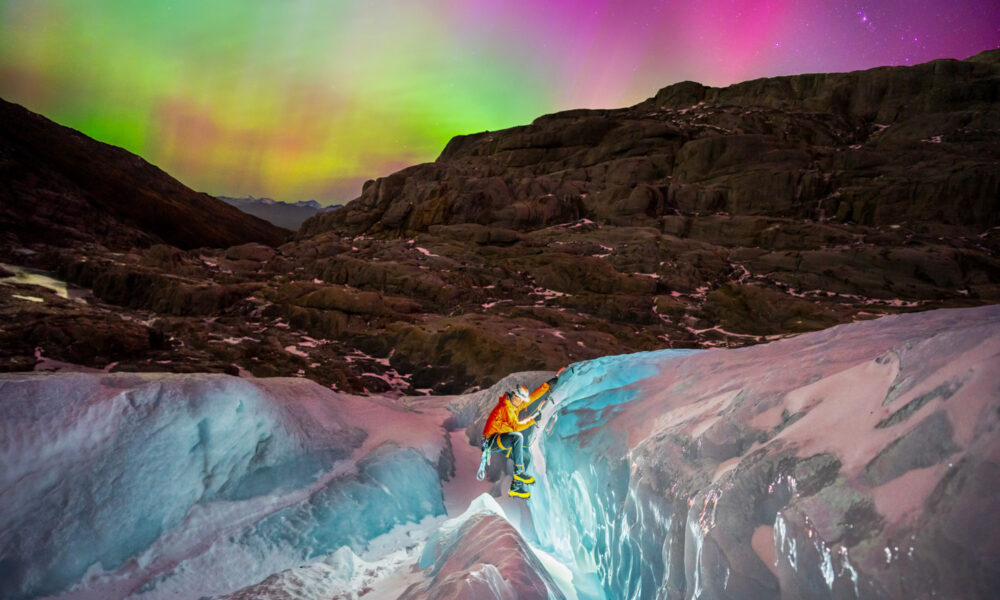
column 889, row 146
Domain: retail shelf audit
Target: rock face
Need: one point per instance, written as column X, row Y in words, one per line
column 709, row 216
column 701, row 217
column 64, row 188
column 888, row 146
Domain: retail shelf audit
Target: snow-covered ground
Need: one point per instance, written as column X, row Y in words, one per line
column 787, row 470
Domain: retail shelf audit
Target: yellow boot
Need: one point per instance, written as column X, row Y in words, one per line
column 518, row 490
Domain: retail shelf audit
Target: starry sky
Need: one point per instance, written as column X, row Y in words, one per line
column 306, row 99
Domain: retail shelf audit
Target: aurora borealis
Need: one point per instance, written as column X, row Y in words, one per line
column 303, row 99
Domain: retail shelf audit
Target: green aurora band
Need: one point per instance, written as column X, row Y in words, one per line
column 306, row 99
column 265, row 100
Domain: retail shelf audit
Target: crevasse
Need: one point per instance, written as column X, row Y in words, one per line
column 588, row 510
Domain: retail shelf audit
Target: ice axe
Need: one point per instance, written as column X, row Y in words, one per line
column 552, row 385
column 548, row 396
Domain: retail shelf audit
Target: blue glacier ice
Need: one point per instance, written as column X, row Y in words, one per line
column 855, row 462
column 763, row 472
column 586, row 485
column 480, row 554
column 109, row 474
column 392, row 486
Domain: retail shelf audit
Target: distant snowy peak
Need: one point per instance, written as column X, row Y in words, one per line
column 309, row 204
column 284, row 214
column 244, row 200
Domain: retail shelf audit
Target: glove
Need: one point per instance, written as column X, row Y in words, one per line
column 485, row 444
column 537, row 414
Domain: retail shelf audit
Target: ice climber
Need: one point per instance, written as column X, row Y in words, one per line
column 506, row 432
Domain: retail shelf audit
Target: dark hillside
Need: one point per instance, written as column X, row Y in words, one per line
column 63, row 187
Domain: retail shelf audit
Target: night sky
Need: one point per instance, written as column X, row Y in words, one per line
column 297, row 100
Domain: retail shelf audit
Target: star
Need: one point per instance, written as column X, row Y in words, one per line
column 863, row 18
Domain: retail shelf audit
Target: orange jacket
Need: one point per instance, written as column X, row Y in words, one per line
column 504, row 417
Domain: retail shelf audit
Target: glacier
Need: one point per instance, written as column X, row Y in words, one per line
column 857, row 462
column 134, row 484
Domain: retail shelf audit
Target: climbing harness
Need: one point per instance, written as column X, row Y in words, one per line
column 493, row 442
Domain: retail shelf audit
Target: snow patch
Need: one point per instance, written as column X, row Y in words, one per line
column 295, row 350
column 26, row 276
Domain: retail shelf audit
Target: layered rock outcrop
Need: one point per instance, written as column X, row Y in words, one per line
column 886, row 146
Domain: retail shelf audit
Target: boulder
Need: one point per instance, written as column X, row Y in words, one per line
column 344, row 299
column 756, row 310
column 250, row 252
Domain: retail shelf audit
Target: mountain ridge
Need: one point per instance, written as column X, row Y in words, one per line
column 461, row 185
column 59, row 179
column 584, row 234
column 288, row 215
column 788, row 90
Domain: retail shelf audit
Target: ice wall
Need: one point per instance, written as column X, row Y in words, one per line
column 587, row 512
column 857, row 462
column 118, row 484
